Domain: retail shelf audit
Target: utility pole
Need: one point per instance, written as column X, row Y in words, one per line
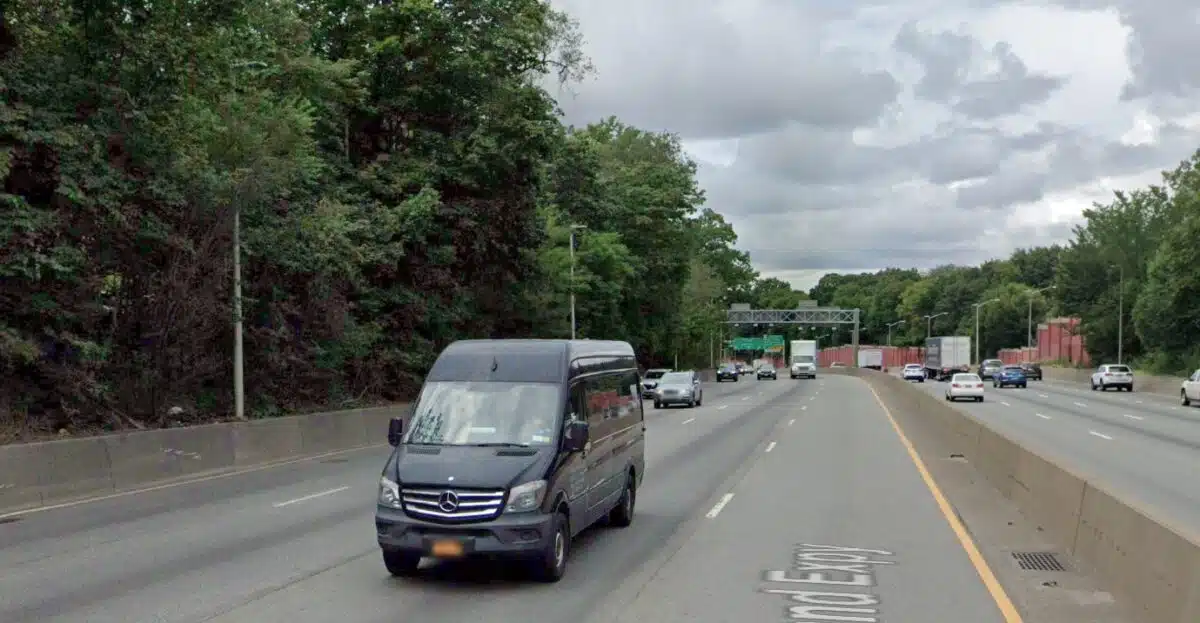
column 975, row 337
column 574, row 228
column 1029, row 329
column 894, row 324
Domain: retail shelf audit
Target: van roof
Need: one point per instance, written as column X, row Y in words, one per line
column 530, row 361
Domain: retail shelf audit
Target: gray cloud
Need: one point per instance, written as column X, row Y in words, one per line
column 685, row 67
column 950, row 58
column 846, row 157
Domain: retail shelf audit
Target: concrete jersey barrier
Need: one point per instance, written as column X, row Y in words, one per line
column 52, row 472
column 1152, row 566
column 46, row 473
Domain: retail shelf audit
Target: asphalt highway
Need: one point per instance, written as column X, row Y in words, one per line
column 1140, row 447
column 766, row 476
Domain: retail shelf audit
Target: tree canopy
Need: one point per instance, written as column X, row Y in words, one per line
column 1142, row 241
column 401, row 180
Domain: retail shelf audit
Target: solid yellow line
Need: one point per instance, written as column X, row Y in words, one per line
column 964, row 538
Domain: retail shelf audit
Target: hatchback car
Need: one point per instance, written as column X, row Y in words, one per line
column 965, row 385
column 914, row 372
column 1112, row 375
column 679, row 388
column 1010, row 375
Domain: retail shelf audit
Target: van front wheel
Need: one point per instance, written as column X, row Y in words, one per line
column 551, row 565
column 622, row 515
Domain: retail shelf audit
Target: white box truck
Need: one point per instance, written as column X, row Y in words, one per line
column 947, row 355
column 870, row 358
column 803, row 362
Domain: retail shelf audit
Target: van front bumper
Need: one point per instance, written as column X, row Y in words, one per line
column 521, row 535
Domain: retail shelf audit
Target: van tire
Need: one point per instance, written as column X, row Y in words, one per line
column 400, row 564
column 551, row 565
column 621, row 515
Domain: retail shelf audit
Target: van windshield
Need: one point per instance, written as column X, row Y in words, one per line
column 802, row 359
column 468, row 413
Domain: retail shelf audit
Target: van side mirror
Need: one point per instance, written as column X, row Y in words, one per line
column 575, row 436
column 395, row 431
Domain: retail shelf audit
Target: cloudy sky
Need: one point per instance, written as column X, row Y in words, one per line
column 846, row 135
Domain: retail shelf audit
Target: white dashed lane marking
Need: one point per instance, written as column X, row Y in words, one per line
column 310, row 497
column 716, row 509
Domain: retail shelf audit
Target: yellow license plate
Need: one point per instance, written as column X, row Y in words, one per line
column 447, row 549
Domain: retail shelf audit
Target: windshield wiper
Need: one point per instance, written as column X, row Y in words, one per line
column 501, row 445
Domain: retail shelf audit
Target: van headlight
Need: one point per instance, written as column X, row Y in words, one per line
column 526, row 497
column 389, row 493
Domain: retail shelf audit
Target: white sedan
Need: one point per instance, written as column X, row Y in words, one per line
column 965, row 386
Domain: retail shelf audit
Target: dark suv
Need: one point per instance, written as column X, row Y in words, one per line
column 1032, row 370
column 989, row 368
column 727, row 372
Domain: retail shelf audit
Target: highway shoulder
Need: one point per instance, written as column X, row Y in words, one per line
column 834, row 522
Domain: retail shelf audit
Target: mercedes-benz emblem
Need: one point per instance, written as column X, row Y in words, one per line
column 448, row 501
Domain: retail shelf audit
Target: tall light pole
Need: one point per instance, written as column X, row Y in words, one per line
column 239, row 378
column 1029, row 329
column 979, row 306
column 574, row 228
column 929, row 323
column 894, row 324
column 1121, row 314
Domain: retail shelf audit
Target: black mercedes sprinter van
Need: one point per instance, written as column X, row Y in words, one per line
column 512, row 448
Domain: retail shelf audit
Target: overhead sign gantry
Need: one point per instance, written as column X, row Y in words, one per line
column 807, row 314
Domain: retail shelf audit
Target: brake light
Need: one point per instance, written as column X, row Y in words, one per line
column 1108, row 374
column 955, row 385
column 979, row 385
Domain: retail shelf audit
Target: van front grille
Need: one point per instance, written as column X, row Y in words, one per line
column 451, row 505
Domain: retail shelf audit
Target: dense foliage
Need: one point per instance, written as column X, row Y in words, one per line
column 1143, row 241
column 400, row 177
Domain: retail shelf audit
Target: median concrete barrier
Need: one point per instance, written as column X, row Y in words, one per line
column 1142, row 382
column 1151, row 565
column 52, row 472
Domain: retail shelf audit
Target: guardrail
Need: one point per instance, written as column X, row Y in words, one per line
column 1152, row 565
column 52, row 472
column 1145, row 383
column 46, row 473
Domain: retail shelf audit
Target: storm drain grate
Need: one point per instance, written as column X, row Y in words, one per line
column 10, row 520
column 1039, row 561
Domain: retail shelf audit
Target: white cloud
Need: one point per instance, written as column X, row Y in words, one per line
column 849, row 136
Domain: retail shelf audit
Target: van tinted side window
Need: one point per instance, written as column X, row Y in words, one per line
column 602, row 397
column 630, row 398
column 575, row 410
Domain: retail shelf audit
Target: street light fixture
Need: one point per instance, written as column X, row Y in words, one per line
column 929, row 323
column 975, row 337
column 890, row 325
column 575, row 228
column 1029, row 329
